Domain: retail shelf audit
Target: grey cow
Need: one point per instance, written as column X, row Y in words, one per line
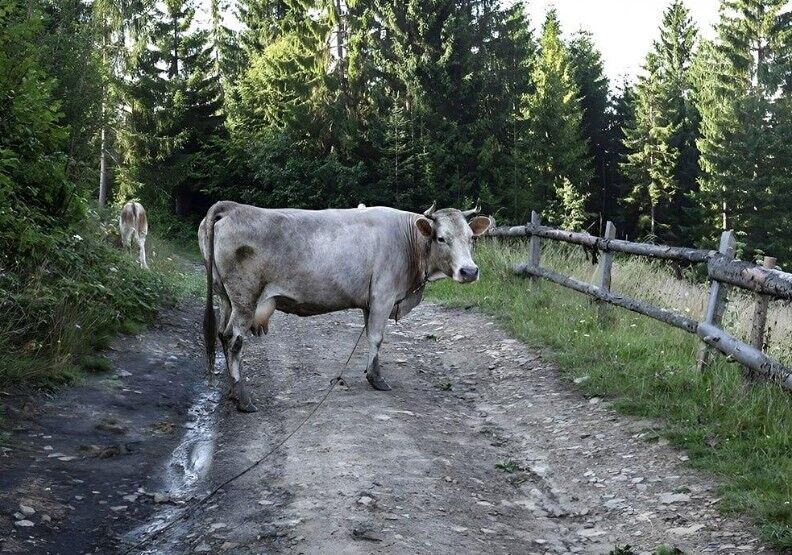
column 309, row 262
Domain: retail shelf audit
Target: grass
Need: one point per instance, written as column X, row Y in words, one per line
column 68, row 305
column 742, row 433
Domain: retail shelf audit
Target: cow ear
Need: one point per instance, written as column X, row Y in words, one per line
column 480, row 224
column 424, row 226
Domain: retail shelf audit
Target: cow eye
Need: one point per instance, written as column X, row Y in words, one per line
column 441, row 240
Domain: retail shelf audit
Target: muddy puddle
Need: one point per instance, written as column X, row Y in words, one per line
column 183, row 472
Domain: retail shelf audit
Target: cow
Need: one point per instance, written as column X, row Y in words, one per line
column 309, row 262
column 133, row 223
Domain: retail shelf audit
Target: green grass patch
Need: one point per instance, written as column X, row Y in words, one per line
column 61, row 306
column 96, row 364
column 742, row 433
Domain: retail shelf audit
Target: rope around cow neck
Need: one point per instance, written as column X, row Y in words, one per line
column 189, row 511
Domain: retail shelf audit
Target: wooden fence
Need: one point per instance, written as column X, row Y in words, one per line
column 723, row 270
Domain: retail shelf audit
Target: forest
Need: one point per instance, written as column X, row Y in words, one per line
column 330, row 102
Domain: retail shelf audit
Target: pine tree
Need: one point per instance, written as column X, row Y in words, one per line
column 174, row 97
column 678, row 39
column 589, row 74
column 226, row 49
column 651, row 161
column 560, row 159
column 743, row 150
column 662, row 161
column 617, row 187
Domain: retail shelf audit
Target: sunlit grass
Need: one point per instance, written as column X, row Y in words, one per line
column 742, row 433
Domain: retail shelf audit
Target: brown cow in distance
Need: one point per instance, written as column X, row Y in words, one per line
column 133, row 223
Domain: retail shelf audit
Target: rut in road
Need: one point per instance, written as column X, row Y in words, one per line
column 480, row 447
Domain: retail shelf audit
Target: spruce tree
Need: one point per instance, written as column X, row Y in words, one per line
column 559, row 158
column 589, row 74
column 174, row 96
column 740, row 80
column 662, row 158
column 651, row 161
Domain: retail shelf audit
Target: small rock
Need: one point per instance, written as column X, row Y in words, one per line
column 591, row 532
column 459, row 529
column 46, row 518
column 487, row 531
column 580, row 380
column 27, row 510
column 132, row 497
column 686, row 530
column 594, row 400
column 669, row 498
column 382, row 417
column 216, row 526
column 365, row 534
column 203, row 548
column 365, row 500
column 118, row 508
column 161, row 498
column 227, row 546
column 24, row 523
column 111, row 425
column 124, row 374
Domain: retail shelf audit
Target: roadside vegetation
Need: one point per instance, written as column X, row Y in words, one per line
column 741, row 432
column 61, row 308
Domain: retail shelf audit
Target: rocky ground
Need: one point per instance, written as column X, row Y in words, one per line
column 479, row 448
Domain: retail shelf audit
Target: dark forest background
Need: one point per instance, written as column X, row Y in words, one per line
column 328, row 103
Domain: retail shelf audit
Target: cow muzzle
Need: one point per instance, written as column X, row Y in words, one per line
column 468, row 274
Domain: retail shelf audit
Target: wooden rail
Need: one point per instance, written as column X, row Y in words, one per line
column 722, row 269
column 695, row 256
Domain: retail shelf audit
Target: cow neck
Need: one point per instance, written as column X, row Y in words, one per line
column 419, row 258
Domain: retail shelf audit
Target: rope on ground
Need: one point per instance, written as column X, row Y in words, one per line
column 189, row 511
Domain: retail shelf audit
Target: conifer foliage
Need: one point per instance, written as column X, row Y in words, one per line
column 320, row 103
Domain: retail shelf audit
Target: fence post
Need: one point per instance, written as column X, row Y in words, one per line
column 716, row 303
column 604, row 273
column 535, row 247
column 759, row 319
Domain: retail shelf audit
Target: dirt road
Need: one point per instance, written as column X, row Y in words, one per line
column 479, row 448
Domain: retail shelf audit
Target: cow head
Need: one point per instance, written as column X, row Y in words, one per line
column 451, row 239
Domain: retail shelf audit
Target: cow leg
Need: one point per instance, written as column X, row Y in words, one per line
column 222, row 322
column 126, row 238
column 239, row 324
column 142, row 247
column 376, row 319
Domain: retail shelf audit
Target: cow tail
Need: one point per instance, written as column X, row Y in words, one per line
column 210, row 322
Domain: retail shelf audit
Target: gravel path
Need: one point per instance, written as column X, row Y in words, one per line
column 479, row 448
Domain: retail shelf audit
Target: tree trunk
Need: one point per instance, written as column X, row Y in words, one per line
column 103, row 132
column 103, row 164
column 653, row 219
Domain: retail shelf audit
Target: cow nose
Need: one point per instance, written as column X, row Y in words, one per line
column 468, row 273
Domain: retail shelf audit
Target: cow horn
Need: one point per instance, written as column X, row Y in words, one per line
column 473, row 212
column 430, row 210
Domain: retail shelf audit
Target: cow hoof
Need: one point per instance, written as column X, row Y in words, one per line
column 378, row 383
